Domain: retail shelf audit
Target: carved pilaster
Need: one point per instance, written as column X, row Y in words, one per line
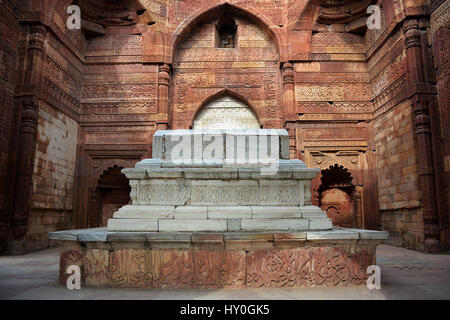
column 287, row 73
column 427, row 177
column 289, row 114
column 27, row 133
column 163, row 94
column 422, row 95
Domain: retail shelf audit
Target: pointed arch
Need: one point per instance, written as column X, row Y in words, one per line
column 220, row 94
column 336, row 176
column 199, row 16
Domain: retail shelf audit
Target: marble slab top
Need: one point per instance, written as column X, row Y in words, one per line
column 103, row 235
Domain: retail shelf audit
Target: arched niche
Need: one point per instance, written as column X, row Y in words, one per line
column 113, row 192
column 249, row 67
column 219, row 10
column 225, row 112
column 337, row 196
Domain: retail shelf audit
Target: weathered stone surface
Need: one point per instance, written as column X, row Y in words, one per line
column 133, row 224
column 239, row 145
column 274, row 224
column 144, row 212
column 131, row 268
column 346, row 95
column 332, row 234
column 234, row 224
column 165, row 173
column 307, row 267
column 226, row 212
column 191, row 212
column 312, row 212
column 368, row 234
column 320, row 224
column 96, row 268
column 259, row 267
column 277, row 212
column 167, row 225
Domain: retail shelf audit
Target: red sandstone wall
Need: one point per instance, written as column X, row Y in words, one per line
column 250, row 70
column 440, row 34
column 396, row 155
column 118, row 116
column 9, row 46
column 53, row 176
column 342, row 96
column 333, row 100
column 399, row 196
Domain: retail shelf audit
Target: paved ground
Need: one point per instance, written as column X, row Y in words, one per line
column 406, row 274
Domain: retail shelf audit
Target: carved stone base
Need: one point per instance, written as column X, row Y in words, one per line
column 339, row 257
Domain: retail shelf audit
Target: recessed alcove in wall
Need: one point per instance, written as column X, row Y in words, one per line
column 113, row 192
column 247, row 64
column 337, row 196
column 225, row 36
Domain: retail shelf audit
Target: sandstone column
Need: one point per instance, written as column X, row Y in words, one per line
column 423, row 98
column 289, row 114
column 163, row 96
column 27, row 133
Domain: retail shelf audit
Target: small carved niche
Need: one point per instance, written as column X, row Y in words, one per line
column 226, row 32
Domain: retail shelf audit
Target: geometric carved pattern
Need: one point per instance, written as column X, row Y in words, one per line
column 217, row 192
column 169, row 192
column 281, row 193
column 323, row 160
column 223, row 195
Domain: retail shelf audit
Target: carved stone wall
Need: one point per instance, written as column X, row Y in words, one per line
column 9, row 52
column 249, row 70
column 53, row 176
column 440, row 30
column 205, row 268
column 374, row 101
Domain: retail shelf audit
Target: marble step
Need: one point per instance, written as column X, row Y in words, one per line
column 218, row 225
column 218, row 212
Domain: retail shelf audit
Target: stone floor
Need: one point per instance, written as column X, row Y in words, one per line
column 405, row 274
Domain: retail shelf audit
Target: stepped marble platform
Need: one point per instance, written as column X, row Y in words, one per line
column 218, row 209
column 233, row 189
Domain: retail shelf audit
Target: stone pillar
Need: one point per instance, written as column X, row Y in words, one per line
column 27, row 133
column 289, row 114
column 288, row 92
column 423, row 98
column 358, row 207
column 163, row 96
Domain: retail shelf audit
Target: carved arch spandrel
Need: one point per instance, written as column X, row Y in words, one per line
column 198, row 16
column 102, row 165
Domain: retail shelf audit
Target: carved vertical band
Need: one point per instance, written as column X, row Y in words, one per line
column 27, row 133
column 417, row 82
column 163, row 88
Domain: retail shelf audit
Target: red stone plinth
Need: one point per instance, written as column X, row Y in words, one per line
column 252, row 260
